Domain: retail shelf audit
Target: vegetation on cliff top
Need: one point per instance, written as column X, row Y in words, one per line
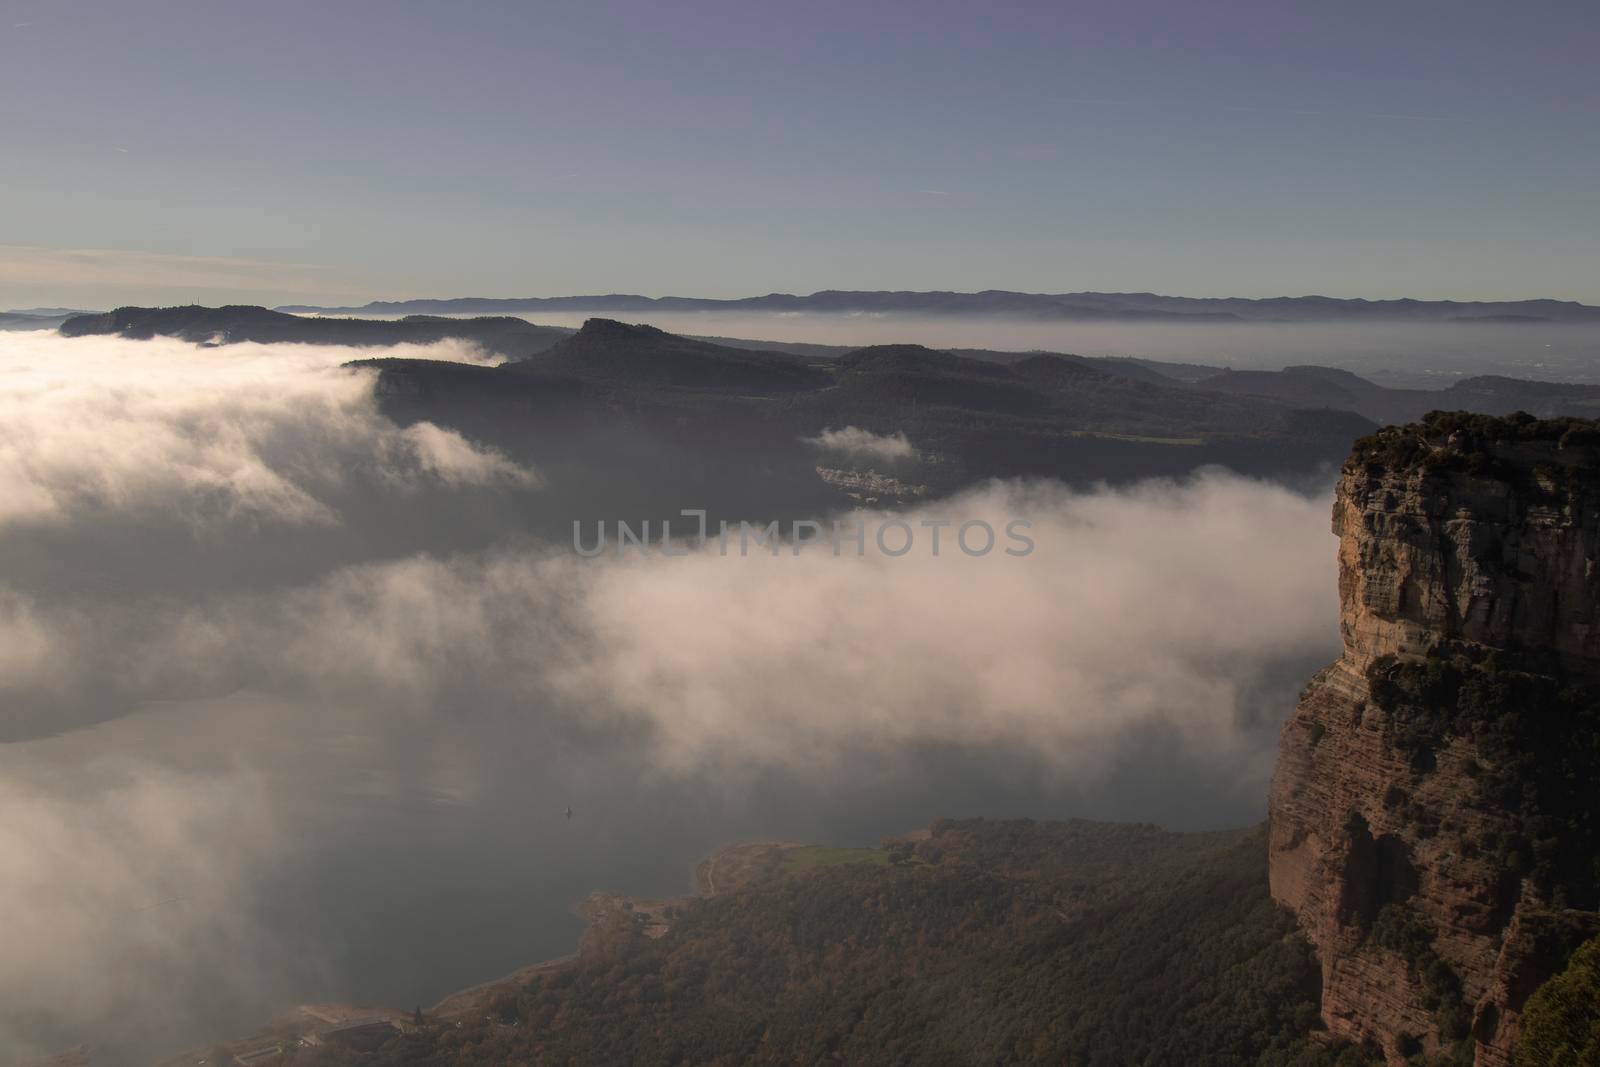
column 1461, row 440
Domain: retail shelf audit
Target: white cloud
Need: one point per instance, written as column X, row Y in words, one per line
column 125, row 887
column 863, row 444
column 1165, row 605
column 1161, row 605
column 254, row 433
column 455, row 461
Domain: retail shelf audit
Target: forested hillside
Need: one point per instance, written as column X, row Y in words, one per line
column 982, row 942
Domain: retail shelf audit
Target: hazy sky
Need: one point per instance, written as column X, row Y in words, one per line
column 335, row 152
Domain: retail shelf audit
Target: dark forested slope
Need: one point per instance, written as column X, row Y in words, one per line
column 981, row 943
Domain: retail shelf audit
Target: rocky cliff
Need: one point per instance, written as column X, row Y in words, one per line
column 1433, row 822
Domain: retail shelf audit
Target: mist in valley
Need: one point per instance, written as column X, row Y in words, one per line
column 296, row 696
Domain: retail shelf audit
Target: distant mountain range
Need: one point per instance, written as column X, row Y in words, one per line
column 49, row 313
column 643, row 358
column 511, row 337
column 36, row 318
column 1044, row 306
column 626, row 419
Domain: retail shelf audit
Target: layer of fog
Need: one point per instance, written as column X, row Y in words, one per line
column 244, row 433
column 1161, row 604
column 852, row 442
column 292, row 777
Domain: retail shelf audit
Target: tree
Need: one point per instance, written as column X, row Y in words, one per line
column 1561, row 1025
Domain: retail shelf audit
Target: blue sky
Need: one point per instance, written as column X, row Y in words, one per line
column 337, row 152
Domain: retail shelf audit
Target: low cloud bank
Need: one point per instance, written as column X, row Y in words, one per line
column 855, row 442
column 130, row 893
column 1160, row 605
column 267, row 434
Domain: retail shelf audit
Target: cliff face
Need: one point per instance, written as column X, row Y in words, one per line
column 1431, row 823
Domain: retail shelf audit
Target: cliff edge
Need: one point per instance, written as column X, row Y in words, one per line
column 1433, row 822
